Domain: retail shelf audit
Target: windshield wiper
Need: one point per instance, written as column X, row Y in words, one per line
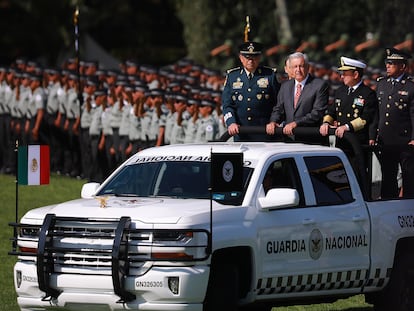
column 130, row 195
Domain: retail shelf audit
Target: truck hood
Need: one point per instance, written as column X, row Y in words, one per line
column 145, row 210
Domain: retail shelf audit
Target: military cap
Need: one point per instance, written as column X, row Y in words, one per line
column 90, row 81
column 100, row 92
column 21, row 61
column 131, row 63
column 140, row 88
column 174, row 84
column 113, row 73
column 192, row 101
column 251, row 48
column 180, row 98
column 36, row 77
column 122, row 83
column 26, row 75
column 206, row 102
column 52, row 71
column 73, row 76
column 32, row 63
column 100, row 72
column 91, row 63
column 351, row 64
column 395, row 54
column 157, row 92
column 185, row 62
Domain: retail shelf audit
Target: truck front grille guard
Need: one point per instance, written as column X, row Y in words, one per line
column 119, row 237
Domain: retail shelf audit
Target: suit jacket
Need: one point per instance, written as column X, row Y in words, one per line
column 311, row 105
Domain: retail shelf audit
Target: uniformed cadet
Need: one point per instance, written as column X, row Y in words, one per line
column 107, row 132
column 23, row 97
column 355, row 109
column 156, row 129
column 125, row 123
column 190, row 117
column 180, row 115
column 85, row 122
column 249, row 93
column 4, row 121
column 35, row 112
column 98, row 170
column 169, row 117
column 54, row 90
column 395, row 127
column 134, row 135
column 116, row 113
column 72, row 164
column 207, row 126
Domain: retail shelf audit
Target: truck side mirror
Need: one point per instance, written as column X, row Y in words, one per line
column 88, row 190
column 278, row 198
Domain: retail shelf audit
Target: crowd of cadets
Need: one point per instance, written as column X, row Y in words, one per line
column 94, row 119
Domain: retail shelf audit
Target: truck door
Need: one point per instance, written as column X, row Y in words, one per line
column 320, row 246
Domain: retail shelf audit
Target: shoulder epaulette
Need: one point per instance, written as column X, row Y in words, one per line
column 233, row 69
column 271, row 68
column 379, row 79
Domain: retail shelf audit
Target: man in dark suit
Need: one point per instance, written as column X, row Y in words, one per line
column 249, row 93
column 301, row 101
column 396, row 125
column 355, row 109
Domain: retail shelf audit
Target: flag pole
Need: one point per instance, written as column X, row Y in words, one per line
column 77, row 55
column 16, row 151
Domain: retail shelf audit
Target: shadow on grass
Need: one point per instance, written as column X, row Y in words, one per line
column 360, row 309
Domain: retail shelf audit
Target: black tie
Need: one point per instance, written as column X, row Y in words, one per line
column 250, row 75
column 350, row 90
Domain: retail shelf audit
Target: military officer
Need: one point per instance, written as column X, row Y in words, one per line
column 354, row 109
column 250, row 92
column 395, row 127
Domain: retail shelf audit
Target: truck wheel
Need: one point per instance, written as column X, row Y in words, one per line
column 223, row 288
column 399, row 294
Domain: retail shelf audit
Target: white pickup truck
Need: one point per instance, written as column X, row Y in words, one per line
column 155, row 236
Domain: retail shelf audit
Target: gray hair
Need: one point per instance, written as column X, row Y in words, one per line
column 298, row 55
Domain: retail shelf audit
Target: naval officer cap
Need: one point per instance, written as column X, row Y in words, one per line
column 394, row 54
column 251, row 48
column 351, row 64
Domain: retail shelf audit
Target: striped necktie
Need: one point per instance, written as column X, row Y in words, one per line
column 297, row 94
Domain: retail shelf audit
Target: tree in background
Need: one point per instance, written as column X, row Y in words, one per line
column 163, row 31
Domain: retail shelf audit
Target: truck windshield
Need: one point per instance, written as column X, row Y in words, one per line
column 189, row 180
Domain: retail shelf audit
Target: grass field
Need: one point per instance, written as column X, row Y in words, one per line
column 62, row 189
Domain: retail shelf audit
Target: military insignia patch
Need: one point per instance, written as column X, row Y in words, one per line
column 359, row 101
column 237, row 85
column 259, row 96
column 263, row 82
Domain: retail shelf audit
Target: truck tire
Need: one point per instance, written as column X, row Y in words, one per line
column 399, row 294
column 223, row 289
